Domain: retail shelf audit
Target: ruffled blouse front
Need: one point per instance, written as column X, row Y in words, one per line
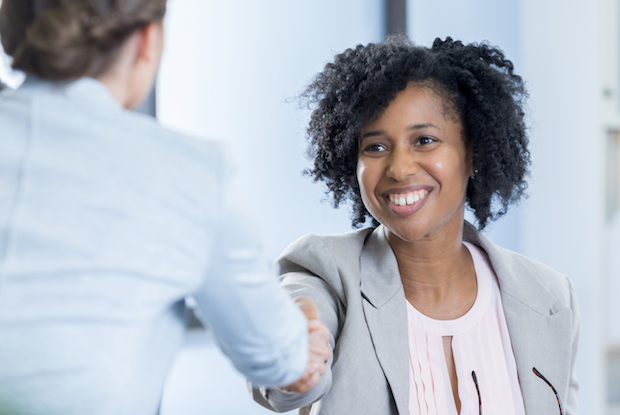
column 480, row 344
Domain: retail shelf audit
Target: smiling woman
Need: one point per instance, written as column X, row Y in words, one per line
column 427, row 316
column 414, row 156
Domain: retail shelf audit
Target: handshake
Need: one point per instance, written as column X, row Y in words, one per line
column 319, row 351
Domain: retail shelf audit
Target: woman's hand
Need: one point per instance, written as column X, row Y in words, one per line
column 318, row 350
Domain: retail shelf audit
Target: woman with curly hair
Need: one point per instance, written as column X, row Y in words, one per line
column 426, row 315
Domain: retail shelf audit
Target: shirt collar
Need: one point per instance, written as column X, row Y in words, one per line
column 86, row 90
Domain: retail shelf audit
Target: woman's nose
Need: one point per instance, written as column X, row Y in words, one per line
column 402, row 164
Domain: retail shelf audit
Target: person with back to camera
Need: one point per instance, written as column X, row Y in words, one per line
column 426, row 315
column 108, row 221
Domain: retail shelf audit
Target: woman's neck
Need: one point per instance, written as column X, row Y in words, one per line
column 437, row 273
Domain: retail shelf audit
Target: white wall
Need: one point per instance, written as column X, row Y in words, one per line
column 559, row 44
column 230, row 70
column 8, row 76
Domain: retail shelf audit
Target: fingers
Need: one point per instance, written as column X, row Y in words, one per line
column 314, row 325
column 318, row 341
column 308, row 307
column 310, row 378
column 319, row 353
column 318, row 348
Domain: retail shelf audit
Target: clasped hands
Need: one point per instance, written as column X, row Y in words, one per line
column 319, row 351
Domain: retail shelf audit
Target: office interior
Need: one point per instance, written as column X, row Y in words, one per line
column 232, row 71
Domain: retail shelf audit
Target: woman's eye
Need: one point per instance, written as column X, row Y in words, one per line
column 374, row 148
column 426, row 140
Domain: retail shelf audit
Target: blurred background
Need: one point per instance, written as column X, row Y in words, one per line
column 232, row 69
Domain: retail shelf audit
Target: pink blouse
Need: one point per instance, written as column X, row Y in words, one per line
column 480, row 343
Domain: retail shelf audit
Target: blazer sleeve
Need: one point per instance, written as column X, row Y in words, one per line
column 308, row 269
column 572, row 404
column 256, row 325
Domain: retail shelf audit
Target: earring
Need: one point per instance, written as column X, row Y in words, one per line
column 473, row 176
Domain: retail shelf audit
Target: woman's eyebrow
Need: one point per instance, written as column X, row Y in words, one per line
column 411, row 127
column 372, row 134
column 423, row 126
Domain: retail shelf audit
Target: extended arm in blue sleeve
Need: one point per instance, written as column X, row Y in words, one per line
column 257, row 326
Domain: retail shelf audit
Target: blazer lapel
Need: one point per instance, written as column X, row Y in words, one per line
column 386, row 314
column 534, row 339
column 536, row 327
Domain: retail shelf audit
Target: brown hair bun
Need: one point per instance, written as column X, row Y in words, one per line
column 69, row 39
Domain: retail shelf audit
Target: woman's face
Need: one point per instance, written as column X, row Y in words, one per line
column 413, row 166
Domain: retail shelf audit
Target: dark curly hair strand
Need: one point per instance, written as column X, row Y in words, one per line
column 478, row 86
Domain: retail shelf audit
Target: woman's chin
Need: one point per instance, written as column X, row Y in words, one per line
column 410, row 231
column 409, row 234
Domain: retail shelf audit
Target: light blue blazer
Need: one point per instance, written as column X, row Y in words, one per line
column 354, row 280
column 107, row 222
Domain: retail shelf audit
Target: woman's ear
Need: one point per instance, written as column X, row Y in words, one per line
column 147, row 51
column 131, row 76
column 150, row 42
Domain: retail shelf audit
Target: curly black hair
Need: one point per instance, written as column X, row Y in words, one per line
column 477, row 84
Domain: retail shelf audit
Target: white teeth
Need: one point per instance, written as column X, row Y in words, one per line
column 409, row 198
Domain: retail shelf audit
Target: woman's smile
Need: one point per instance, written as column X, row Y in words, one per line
column 405, row 202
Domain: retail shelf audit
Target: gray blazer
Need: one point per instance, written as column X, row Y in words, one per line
column 354, row 280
